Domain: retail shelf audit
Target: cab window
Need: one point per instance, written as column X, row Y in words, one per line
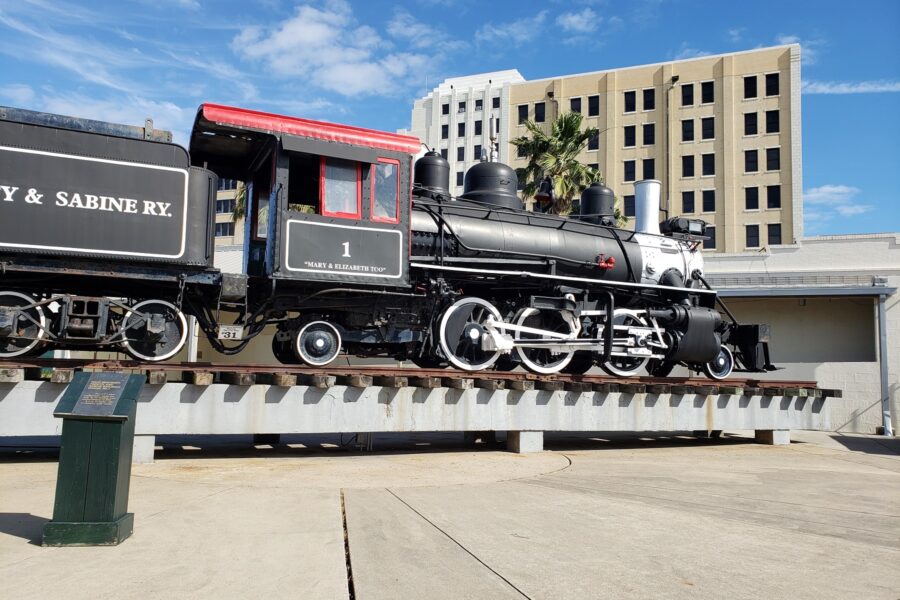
column 386, row 191
column 341, row 188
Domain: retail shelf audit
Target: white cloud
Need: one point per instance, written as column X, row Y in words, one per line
column 685, row 51
column 823, row 203
column 850, row 87
column 585, row 21
column 809, row 49
column 17, row 94
column 735, row 34
column 327, row 46
column 515, row 32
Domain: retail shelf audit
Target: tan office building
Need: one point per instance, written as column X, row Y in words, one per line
column 721, row 132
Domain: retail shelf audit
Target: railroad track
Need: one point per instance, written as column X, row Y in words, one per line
column 62, row 370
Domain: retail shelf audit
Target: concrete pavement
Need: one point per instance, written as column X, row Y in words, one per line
column 594, row 517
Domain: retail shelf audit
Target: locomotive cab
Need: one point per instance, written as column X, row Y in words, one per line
column 324, row 202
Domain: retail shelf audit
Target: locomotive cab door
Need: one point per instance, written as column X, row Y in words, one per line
column 344, row 213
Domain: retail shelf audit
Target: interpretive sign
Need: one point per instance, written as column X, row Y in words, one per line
column 97, row 399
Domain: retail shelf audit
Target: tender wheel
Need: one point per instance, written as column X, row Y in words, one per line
column 154, row 330
column 625, row 366
column 22, row 325
column 543, row 360
column 318, row 343
column 721, row 366
column 461, row 330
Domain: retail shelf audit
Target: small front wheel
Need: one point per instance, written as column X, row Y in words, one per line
column 721, row 366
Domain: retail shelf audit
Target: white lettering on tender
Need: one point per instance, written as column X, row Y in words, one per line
column 8, row 192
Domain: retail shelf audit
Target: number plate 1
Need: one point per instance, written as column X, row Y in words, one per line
column 231, row 332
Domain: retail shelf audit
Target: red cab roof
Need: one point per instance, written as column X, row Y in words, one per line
column 332, row 132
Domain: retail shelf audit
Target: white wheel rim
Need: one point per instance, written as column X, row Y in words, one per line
column 729, row 358
column 530, row 364
column 171, row 353
column 42, row 320
column 451, row 356
column 608, row 366
column 312, row 361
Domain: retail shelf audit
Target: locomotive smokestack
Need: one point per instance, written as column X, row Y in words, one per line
column 646, row 206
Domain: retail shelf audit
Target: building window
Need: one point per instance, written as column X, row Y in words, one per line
column 774, row 232
column 751, row 161
column 225, row 207
column 630, row 101
column 461, row 153
column 575, row 105
column 225, row 229
column 707, row 92
column 477, row 127
column 751, row 126
column 772, row 121
column 445, row 132
column 479, row 104
column 495, row 102
column 749, row 87
column 773, row 196
column 461, row 130
column 687, row 202
column 461, row 108
column 539, row 112
column 687, row 94
column 594, row 166
column 650, row 99
column 629, row 170
column 593, row 106
column 594, row 142
column 477, row 153
column 628, row 202
column 708, row 128
column 687, row 165
column 649, row 168
column 772, row 84
column 709, row 164
column 630, row 136
column 445, row 109
column 444, row 153
column 520, row 151
column 523, row 113
column 459, row 178
column 709, row 201
column 687, row 130
column 386, row 191
column 710, row 243
column 752, row 236
column 751, row 198
column 227, row 184
column 773, row 159
column 649, row 134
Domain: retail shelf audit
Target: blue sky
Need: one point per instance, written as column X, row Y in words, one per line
column 364, row 62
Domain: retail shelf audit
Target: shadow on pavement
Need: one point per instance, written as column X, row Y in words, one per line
column 24, row 525
column 884, row 446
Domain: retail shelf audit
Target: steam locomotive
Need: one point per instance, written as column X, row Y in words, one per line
column 106, row 241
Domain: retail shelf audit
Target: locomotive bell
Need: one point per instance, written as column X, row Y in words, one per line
column 492, row 183
column 598, row 204
column 432, row 173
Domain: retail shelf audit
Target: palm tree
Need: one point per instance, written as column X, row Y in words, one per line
column 240, row 202
column 554, row 157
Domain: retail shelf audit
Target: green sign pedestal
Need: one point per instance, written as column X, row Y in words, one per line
column 91, row 507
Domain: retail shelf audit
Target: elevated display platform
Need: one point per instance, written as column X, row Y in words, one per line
column 418, row 400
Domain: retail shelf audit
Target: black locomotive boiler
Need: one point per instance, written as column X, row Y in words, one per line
column 350, row 246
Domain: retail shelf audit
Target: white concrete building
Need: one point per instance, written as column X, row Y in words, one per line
column 833, row 307
column 456, row 119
